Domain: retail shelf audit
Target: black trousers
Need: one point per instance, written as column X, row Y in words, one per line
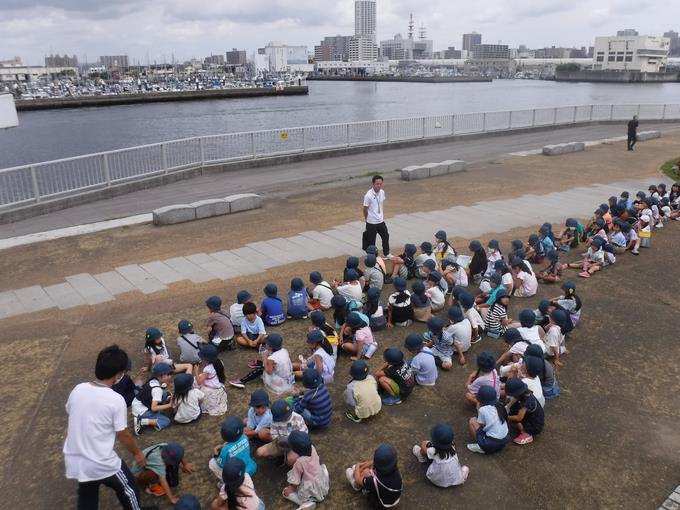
column 372, row 231
column 632, row 139
column 123, row 483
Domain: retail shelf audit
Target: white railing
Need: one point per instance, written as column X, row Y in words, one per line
column 34, row 183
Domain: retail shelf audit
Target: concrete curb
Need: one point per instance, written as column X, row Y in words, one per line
column 416, row 172
column 563, row 148
column 181, row 213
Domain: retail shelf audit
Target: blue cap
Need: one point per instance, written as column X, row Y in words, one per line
column 534, row 350
column 183, row 382
column 517, row 261
column 475, row 245
column 534, row 239
column 187, row 502
column 426, row 246
column 318, row 318
column 435, row 324
column 359, row 370
column 297, row 284
column 440, row 235
column 370, row 260
column 418, row 287
column 413, row 342
column 207, row 352
column 500, row 265
column 315, row 337
column 172, row 453
column 243, row 296
column 281, row 410
column 534, row 365
column 455, row 314
column 511, row 335
column 385, row 459
column 393, row 355
column 435, row 276
column 352, row 262
column 410, row 249
column 571, row 223
column 233, row 473
column 315, row 277
column 353, row 320
column 543, row 306
column 232, row 429
column 501, row 293
column 351, row 275
column 494, row 244
column 184, row 326
column 527, row 318
column 338, row 302
column 569, row 287
column 271, row 290
column 553, row 255
column 161, row 369
column 311, row 378
column 496, row 278
column 598, row 242
column 515, row 387
column 372, row 249
column 466, row 300
column 430, row 264
column 399, row 284
column 214, row 302
column 300, row 443
column 486, row 361
column 373, row 294
column 517, row 244
column 153, row 333
column 259, row 398
column 274, row 340
column 441, row 436
column 486, row 395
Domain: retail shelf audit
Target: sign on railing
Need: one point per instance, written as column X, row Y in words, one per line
column 33, row 183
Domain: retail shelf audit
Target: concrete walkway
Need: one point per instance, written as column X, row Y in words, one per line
column 673, row 501
column 289, row 179
column 468, row 222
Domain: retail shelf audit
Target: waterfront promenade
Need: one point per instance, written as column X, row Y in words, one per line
column 585, row 453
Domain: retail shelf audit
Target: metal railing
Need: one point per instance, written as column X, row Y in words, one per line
column 33, row 183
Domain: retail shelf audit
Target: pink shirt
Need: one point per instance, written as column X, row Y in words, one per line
column 529, row 283
column 247, row 499
column 364, row 336
column 305, row 469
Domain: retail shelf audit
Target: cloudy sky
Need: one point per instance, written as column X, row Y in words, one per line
column 155, row 29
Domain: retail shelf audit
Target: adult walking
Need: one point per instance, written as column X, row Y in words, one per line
column 632, row 132
column 374, row 201
column 97, row 416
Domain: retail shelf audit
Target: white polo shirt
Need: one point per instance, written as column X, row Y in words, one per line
column 374, row 201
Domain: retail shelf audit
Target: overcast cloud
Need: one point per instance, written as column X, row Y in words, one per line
column 186, row 28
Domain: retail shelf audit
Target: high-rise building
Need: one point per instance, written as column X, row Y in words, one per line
column 333, row 49
column 114, row 61
column 59, row 61
column 627, row 32
column 471, row 40
column 362, row 49
column 675, row 43
column 452, row 53
column 365, row 19
column 236, row 57
column 491, row 51
column 217, row 60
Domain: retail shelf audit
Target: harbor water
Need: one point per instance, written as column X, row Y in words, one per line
column 55, row 134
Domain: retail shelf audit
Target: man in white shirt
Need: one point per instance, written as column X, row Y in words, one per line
column 374, row 201
column 97, row 416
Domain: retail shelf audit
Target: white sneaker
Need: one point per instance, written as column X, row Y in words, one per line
column 349, row 473
column 389, row 256
column 475, row 448
column 138, row 425
column 307, row 505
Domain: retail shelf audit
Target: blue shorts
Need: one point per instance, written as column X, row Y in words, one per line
column 550, row 392
column 162, row 421
column 490, row 444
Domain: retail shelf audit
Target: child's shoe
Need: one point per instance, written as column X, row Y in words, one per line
column 236, row 383
column 353, row 417
column 475, row 448
column 138, row 425
column 349, row 473
column 523, row 439
column 155, row 490
column 391, row 401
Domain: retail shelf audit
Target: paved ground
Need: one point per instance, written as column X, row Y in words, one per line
column 611, row 438
column 286, row 180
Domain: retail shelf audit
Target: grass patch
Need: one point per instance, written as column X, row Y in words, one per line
column 667, row 168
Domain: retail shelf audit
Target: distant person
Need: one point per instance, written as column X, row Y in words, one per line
column 632, row 132
column 374, row 201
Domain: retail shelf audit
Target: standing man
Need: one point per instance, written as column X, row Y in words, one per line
column 632, row 132
column 374, row 200
column 97, row 416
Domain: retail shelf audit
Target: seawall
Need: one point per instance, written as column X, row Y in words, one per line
column 616, row 76
column 405, row 79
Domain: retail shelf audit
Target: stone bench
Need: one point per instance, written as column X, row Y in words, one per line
column 412, row 173
column 180, row 213
column 648, row 135
column 563, row 148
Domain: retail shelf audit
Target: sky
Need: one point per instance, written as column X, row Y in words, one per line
column 155, row 30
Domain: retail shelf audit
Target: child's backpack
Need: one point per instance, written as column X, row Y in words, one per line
column 171, row 471
column 144, row 395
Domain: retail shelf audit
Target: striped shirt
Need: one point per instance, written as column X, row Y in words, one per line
column 318, row 403
column 494, row 318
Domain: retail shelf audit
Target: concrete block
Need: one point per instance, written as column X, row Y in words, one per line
column 162, row 272
column 243, row 202
column 189, row 270
column 242, row 266
column 142, row 280
column 210, row 208
column 412, row 173
column 648, row 135
column 90, row 289
column 260, row 259
column 64, row 295
column 10, row 305
column 114, row 282
column 213, row 266
column 173, row 214
column 34, row 298
column 563, row 148
column 437, row 169
column 455, row 165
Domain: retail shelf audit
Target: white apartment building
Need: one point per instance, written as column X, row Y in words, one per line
column 365, row 19
column 631, row 53
column 277, row 57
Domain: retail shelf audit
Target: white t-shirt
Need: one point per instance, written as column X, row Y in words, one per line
column 350, row 291
column 436, row 297
column 95, row 414
column 323, row 293
column 444, row 472
column 281, row 379
column 374, row 201
column 461, row 333
column 532, row 335
column 506, row 279
column 138, row 408
column 189, row 409
column 212, row 381
column 487, row 416
column 554, row 339
column 475, row 319
column 236, row 314
column 534, row 384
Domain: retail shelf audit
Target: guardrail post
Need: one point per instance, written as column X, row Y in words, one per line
column 107, row 171
column 533, row 117
column 638, row 111
column 453, row 125
column 347, row 134
column 592, row 107
column 304, row 141
column 34, row 180
column 663, row 115
column 510, row 120
column 574, row 119
column 484, row 122
column 252, row 145
column 164, row 158
column 389, row 131
column 201, row 146
column 554, row 116
column 611, row 112
column 424, row 121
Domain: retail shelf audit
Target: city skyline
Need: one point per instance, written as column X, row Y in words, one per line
column 164, row 29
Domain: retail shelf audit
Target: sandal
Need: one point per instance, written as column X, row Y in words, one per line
column 584, row 274
column 523, row 439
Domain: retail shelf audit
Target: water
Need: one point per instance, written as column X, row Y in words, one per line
column 46, row 135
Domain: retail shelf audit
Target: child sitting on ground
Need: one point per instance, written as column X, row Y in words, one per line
column 421, row 303
column 443, row 250
column 319, row 323
column 373, row 276
column 554, row 337
column 375, row 310
column 339, row 304
column 357, row 337
column 592, row 261
column 570, row 235
column 308, row 481
column 455, row 276
column 322, row 293
column 404, row 265
column 485, row 375
column 644, row 231
column 460, row 331
column 530, row 370
column 467, row 302
column 161, row 472
column 569, row 302
column 525, row 411
column 488, row 298
column 524, row 280
column 152, row 400
column 284, row 421
column 542, row 313
column 395, row 377
column 490, row 426
column 379, row 478
column 496, row 319
column 189, row 342
column 478, row 264
column 493, row 254
column 352, row 263
column 445, row 469
column 546, row 373
column 252, row 328
column 236, row 310
column 235, row 445
column 351, row 288
column 186, row 400
column 399, row 309
column 298, row 300
column 274, row 366
column 617, row 238
column 528, row 328
column 237, row 489
column 210, row 379
column 425, row 254
column 361, row 393
column 439, row 342
column 435, row 292
column 314, row 405
column 320, row 360
column 157, row 352
column 536, row 251
column 423, row 362
column 220, row 328
column 271, row 308
column 553, row 271
column 258, row 422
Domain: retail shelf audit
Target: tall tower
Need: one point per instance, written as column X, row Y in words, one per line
column 411, row 26
column 422, row 32
column 365, row 19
